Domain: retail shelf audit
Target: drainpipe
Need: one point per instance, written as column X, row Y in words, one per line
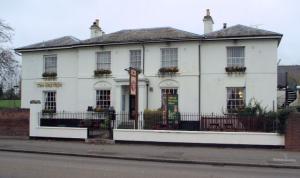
column 147, row 95
column 199, row 79
column 143, row 58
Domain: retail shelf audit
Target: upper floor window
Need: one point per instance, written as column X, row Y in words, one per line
column 235, row 99
column 169, row 57
column 50, row 64
column 235, row 56
column 50, row 100
column 135, row 59
column 103, row 60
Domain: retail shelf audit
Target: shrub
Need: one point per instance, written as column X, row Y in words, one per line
column 298, row 108
column 253, row 108
column 282, row 116
column 152, row 118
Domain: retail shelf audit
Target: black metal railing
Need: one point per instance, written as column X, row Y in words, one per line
column 198, row 122
column 160, row 121
column 69, row 119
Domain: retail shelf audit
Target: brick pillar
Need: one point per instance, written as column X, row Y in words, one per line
column 292, row 136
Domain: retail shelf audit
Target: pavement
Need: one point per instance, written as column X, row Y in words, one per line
column 250, row 157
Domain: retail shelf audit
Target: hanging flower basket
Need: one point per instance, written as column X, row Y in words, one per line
column 48, row 111
column 235, row 69
column 101, row 72
column 49, row 74
column 166, row 70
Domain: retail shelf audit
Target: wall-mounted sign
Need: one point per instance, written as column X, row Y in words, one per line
column 35, row 101
column 49, row 84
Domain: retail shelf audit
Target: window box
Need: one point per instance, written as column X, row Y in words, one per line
column 168, row 70
column 48, row 111
column 101, row 72
column 49, row 74
column 97, row 109
column 235, row 69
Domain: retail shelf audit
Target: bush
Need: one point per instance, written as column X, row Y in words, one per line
column 298, row 108
column 252, row 109
column 152, row 118
column 282, row 116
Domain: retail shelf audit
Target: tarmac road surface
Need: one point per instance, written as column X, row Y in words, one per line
column 15, row 165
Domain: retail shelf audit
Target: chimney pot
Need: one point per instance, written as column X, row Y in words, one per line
column 96, row 29
column 207, row 12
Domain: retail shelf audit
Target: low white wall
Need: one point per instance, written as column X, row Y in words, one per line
column 60, row 132
column 53, row 132
column 203, row 137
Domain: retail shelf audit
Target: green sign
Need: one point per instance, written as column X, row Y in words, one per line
column 170, row 105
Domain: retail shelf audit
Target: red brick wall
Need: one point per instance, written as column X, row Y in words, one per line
column 292, row 136
column 14, row 122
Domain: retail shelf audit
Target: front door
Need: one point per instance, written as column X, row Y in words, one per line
column 125, row 98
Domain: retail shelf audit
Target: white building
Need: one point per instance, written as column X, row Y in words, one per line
column 218, row 72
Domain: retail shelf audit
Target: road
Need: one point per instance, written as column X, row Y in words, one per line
column 15, row 165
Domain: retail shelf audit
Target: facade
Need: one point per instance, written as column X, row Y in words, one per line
column 218, row 72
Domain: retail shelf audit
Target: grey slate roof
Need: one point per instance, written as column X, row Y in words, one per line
column 150, row 35
column 58, row 42
column 293, row 75
column 240, row 31
column 143, row 35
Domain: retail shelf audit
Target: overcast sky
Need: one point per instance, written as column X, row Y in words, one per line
column 40, row 20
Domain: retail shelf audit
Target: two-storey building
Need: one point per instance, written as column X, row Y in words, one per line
column 218, row 72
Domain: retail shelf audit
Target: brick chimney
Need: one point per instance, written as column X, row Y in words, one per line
column 208, row 22
column 96, row 31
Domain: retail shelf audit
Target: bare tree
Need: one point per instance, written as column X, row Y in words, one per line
column 8, row 64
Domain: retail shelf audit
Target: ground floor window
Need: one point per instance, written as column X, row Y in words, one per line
column 50, row 100
column 103, row 99
column 235, row 99
column 168, row 91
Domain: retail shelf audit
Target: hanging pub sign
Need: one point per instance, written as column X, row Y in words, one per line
column 133, row 98
column 133, row 81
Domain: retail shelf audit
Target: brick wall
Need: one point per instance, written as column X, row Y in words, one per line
column 292, row 136
column 14, row 122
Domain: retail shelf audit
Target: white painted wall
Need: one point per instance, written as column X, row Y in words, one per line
column 76, row 67
column 202, row 137
column 260, row 78
column 35, row 130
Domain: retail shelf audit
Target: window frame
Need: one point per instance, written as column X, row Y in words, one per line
column 104, row 99
column 137, row 61
column 168, row 63
column 233, row 104
column 99, row 63
column 49, row 106
column 45, row 63
column 235, row 61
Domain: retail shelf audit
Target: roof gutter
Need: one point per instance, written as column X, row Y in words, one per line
column 103, row 44
column 244, row 38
